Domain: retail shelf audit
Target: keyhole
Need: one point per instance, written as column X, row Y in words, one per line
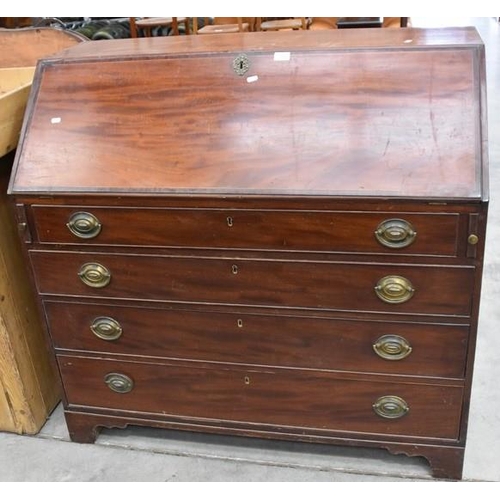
column 229, row 221
column 247, row 380
column 240, row 323
column 241, row 64
column 234, row 269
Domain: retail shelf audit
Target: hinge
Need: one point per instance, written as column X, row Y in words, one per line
column 22, row 223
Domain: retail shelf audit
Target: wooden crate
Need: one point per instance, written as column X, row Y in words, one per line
column 15, row 86
column 28, row 387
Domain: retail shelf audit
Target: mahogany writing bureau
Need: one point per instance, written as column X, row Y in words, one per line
column 265, row 234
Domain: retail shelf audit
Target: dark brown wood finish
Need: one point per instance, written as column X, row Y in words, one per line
column 272, row 151
column 439, row 290
column 286, row 230
column 289, row 398
column 237, row 220
column 293, row 341
column 446, row 461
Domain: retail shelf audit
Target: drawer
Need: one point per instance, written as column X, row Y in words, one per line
column 441, row 290
column 273, row 397
column 318, row 343
column 283, row 230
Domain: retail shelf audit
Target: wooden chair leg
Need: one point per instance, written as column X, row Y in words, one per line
column 133, row 28
column 175, row 26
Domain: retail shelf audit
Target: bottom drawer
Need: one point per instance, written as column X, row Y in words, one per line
column 274, row 397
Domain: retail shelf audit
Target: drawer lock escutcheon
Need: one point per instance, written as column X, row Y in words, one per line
column 241, row 64
column 94, row 275
column 118, row 382
column 392, row 347
column 106, row 328
column 394, row 289
column 395, row 233
column 84, row 225
column 391, row 407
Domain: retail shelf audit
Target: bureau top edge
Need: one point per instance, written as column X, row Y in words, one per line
column 359, row 39
column 33, row 195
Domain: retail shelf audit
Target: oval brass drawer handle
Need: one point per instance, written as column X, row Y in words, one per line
column 395, row 233
column 94, row 275
column 394, row 289
column 118, row 382
column 84, row 225
column 106, row 328
column 391, row 407
column 392, row 347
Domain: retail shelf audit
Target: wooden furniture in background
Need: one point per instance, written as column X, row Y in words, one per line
column 311, row 270
column 287, row 23
column 15, row 86
column 28, row 385
column 147, row 24
column 21, row 48
column 359, row 22
column 221, row 25
column 15, row 22
column 318, row 23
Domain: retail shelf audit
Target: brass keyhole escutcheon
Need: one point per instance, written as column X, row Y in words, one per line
column 229, row 221
column 94, row 275
column 84, row 225
column 394, row 289
column 391, row 407
column 240, row 323
column 392, row 347
column 395, row 233
column 106, row 328
column 118, row 382
column 241, row 64
column 234, row 269
column 247, row 380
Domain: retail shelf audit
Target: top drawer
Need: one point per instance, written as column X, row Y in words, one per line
column 278, row 230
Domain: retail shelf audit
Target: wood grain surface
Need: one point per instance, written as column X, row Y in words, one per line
column 238, row 217
column 280, row 230
column 274, row 396
column 270, row 340
column 439, row 290
column 28, row 386
column 400, row 119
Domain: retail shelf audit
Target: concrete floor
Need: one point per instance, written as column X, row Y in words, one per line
column 137, row 454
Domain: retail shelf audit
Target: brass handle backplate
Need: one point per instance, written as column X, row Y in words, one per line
column 394, row 289
column 118, row 382
column 106, row 328
column 391, row 407
column 392, row 347
column 94, row 275
column 84, row 225
column 395, row 233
